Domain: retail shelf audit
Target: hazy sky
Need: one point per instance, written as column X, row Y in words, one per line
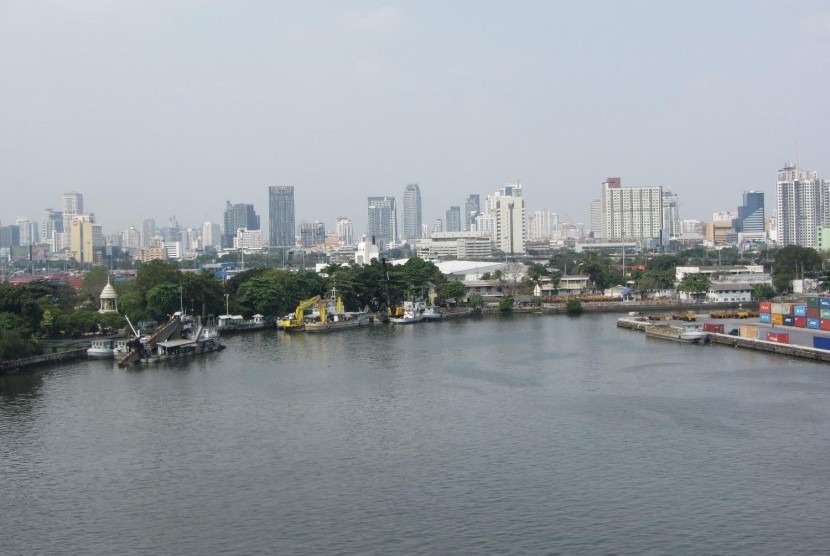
column 153, row 109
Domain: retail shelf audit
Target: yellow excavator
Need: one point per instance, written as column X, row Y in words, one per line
column 296, row 320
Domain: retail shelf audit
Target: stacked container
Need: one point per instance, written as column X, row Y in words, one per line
column 813, row 314
column 779, row 337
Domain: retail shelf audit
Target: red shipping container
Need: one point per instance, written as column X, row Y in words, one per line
column 712, row 327
column 824, row 324
column 813, row 312
column 765, row 307
column 778, row 337
column 800, row 322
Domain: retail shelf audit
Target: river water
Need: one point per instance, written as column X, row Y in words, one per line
column 518, row 435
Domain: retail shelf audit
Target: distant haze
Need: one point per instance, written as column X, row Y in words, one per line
column 160, row 108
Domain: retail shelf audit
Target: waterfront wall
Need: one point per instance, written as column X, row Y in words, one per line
column 15, row 365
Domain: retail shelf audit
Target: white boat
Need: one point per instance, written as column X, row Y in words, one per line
column 431, row 312
column 236, row 323
column 413, row 311
column 107, row 348
column 686, row 333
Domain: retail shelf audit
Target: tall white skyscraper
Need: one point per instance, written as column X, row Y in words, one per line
column 631, row 213
column 211, row 235
column 540, row 225
column 507, row 206
column 803, row 204
column 412, row 219
column 671, row 213
column 345, row 230
column 148, row 232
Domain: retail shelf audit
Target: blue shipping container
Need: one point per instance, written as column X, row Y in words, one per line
column 821, row 342
column 800, row 310
column 824, row 302
column 789, row 320
column 813, row 323
column 766, row 318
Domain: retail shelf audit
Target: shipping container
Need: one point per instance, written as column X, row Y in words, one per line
column 821, row 342
column 813, row 301
column 824, row 324
column 824, row 314
column 712, row 327
column 800, row 310
column 824, row 302
column 777, row 308
column 766, row 307
column 781, row 338
column 777, row 318
column 748, row 331
column 789, row 320
column 813, row 323
column 813, row 312
column 765, row 318
column 800, row 322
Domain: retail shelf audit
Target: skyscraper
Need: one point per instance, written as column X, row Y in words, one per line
column 281, row 216
column 73, row 203
column 506, row 207
column 211, row 235
column 454, row 219
column 345, row 230
column 312, row 234
column 750, row 223
column 148, row 231
column 240, row 215
column 803, row 203
column 412, row 212
column 631, row 213
column 472, row 208
column 671, row 213
column 383, row 220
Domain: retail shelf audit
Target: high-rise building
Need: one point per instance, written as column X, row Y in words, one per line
column 312, row 234
column 211, row 235
column 472, row 208
column 26, row 231
column 803, row 203
column 671, row 214
column 412, row 212
column 541, row 225
column 507, row 208
column 86, row 239
column 751, row 213
column 148, row 231
column 345, row 230
column 383, row 220
column 595, row 213
column 50, row 227
column 631, row 213
column 240, row 215
column 281, row 216
column 454, row 219
column 72, row 204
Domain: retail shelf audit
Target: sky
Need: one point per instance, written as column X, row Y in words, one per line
column 161, row 108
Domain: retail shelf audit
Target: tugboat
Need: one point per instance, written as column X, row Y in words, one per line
column 330, row 316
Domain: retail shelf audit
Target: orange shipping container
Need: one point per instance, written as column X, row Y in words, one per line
column 777, row 318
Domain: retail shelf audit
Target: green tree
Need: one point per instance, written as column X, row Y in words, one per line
column 453, row 289
column 695, row 284
column 476, row 301
column 762, row 292
column 506, row 304
column 663, row 262
column 154, row 273
column 163, row 300
column 792, row 262
column 93, row 282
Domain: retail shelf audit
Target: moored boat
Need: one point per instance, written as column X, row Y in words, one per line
column 329, row 316
column 686, row 333
column 182, row 336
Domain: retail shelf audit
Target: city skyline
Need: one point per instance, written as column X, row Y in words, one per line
column 147, row 106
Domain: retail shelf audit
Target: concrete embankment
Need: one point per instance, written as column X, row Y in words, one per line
column 15, row 365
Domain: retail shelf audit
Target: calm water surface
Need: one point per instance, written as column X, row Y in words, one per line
column 526, row 435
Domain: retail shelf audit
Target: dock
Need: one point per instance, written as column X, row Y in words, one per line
column 789, row 350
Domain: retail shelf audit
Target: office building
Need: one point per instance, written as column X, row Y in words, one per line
column 86, row 239
column 412, row 219
column 595, row 213
column 671, row 214
column 211, row 235
column 281, row 216
column 453, row 219
column 148, row 231
column 507, row 208
column 240, row 215
column 312, row 234
column 383, row 221
column 72, row 204
column 803, row 203
column 472, row 208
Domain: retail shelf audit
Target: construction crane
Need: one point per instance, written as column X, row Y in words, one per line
column 296, row 320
